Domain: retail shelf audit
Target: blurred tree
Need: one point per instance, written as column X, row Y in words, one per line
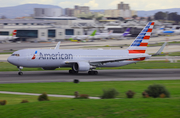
column 160, row 16
column 142, row 18
column 121, row 18
column 149, row 18
column 134, row 16
column 3, row 17
column 174, row 16
column 99, row 18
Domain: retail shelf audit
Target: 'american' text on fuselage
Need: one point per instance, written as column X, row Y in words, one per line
column 55, row 56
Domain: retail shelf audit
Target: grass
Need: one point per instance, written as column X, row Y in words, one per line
column 16, row 99
column 171, row 54
column 6, row 52
column 92, row 88
column 112, row 108
column 137, row 107
column 5, row 66
column 160, row 44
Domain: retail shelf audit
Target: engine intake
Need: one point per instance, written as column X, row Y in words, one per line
column 82, row 66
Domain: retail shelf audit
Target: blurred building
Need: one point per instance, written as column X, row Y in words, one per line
column 123, row 10
column 112, row 13
column 133, row 12
column 69, row 12
column 123, row 6
column 77, row 11
column 47, row 12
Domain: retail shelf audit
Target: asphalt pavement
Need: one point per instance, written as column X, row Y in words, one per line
column 104, row 75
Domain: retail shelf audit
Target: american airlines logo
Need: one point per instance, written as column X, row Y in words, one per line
column 34, row 56
column 55, row 56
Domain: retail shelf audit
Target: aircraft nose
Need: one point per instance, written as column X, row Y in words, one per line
column 11, row 60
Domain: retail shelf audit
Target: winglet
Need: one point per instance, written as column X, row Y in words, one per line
column 57, row 45
column 93, row 33
column 160, row 50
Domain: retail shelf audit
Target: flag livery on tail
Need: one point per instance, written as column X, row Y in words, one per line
column 140, row 43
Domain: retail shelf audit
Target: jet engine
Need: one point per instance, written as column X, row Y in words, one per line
column 82, row 66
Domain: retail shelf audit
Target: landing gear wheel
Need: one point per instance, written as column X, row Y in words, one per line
column 95, row 72
column 92, row 72
column 76, row 81
column 70, row 71
column 73, row 72
column 20, row 73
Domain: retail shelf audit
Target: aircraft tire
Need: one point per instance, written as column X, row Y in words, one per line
column 20, row 73
column 89, row 72
column 76, row 81
column 95, row 72
column 73, row 72
column 92, row 72
column 70, row 71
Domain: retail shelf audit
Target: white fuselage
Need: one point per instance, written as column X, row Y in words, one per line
column 6, row 38
column 58, row 57
column 80, row 37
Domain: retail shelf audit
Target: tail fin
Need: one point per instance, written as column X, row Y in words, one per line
column 93, row 33
column 140, row 43
column 13, row 33
column 126, row 32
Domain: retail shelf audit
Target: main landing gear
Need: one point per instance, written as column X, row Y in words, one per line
column 20, row 67
column 73, row 72
column 92, row 72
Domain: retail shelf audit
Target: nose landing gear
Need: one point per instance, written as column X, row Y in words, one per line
column 20, row 67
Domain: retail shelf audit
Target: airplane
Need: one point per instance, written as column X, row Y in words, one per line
column 82, row 38
column 171, row 31
column 12, row 36
column 113, row 35
column 120, row 35
column 83, row 60
column 101, row 35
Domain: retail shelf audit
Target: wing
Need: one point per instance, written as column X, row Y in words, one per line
column 109, row 60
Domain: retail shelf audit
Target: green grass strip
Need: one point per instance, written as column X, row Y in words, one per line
column 92, row 88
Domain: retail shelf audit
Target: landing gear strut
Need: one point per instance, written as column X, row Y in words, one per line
column 20, row 73
column 92, row 72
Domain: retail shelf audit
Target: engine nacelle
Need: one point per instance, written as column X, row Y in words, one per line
column 81, row 66
column 48, row 68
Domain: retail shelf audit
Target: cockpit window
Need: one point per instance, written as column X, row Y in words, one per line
column 15, row 55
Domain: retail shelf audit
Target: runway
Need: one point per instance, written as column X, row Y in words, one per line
column 104, row 75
